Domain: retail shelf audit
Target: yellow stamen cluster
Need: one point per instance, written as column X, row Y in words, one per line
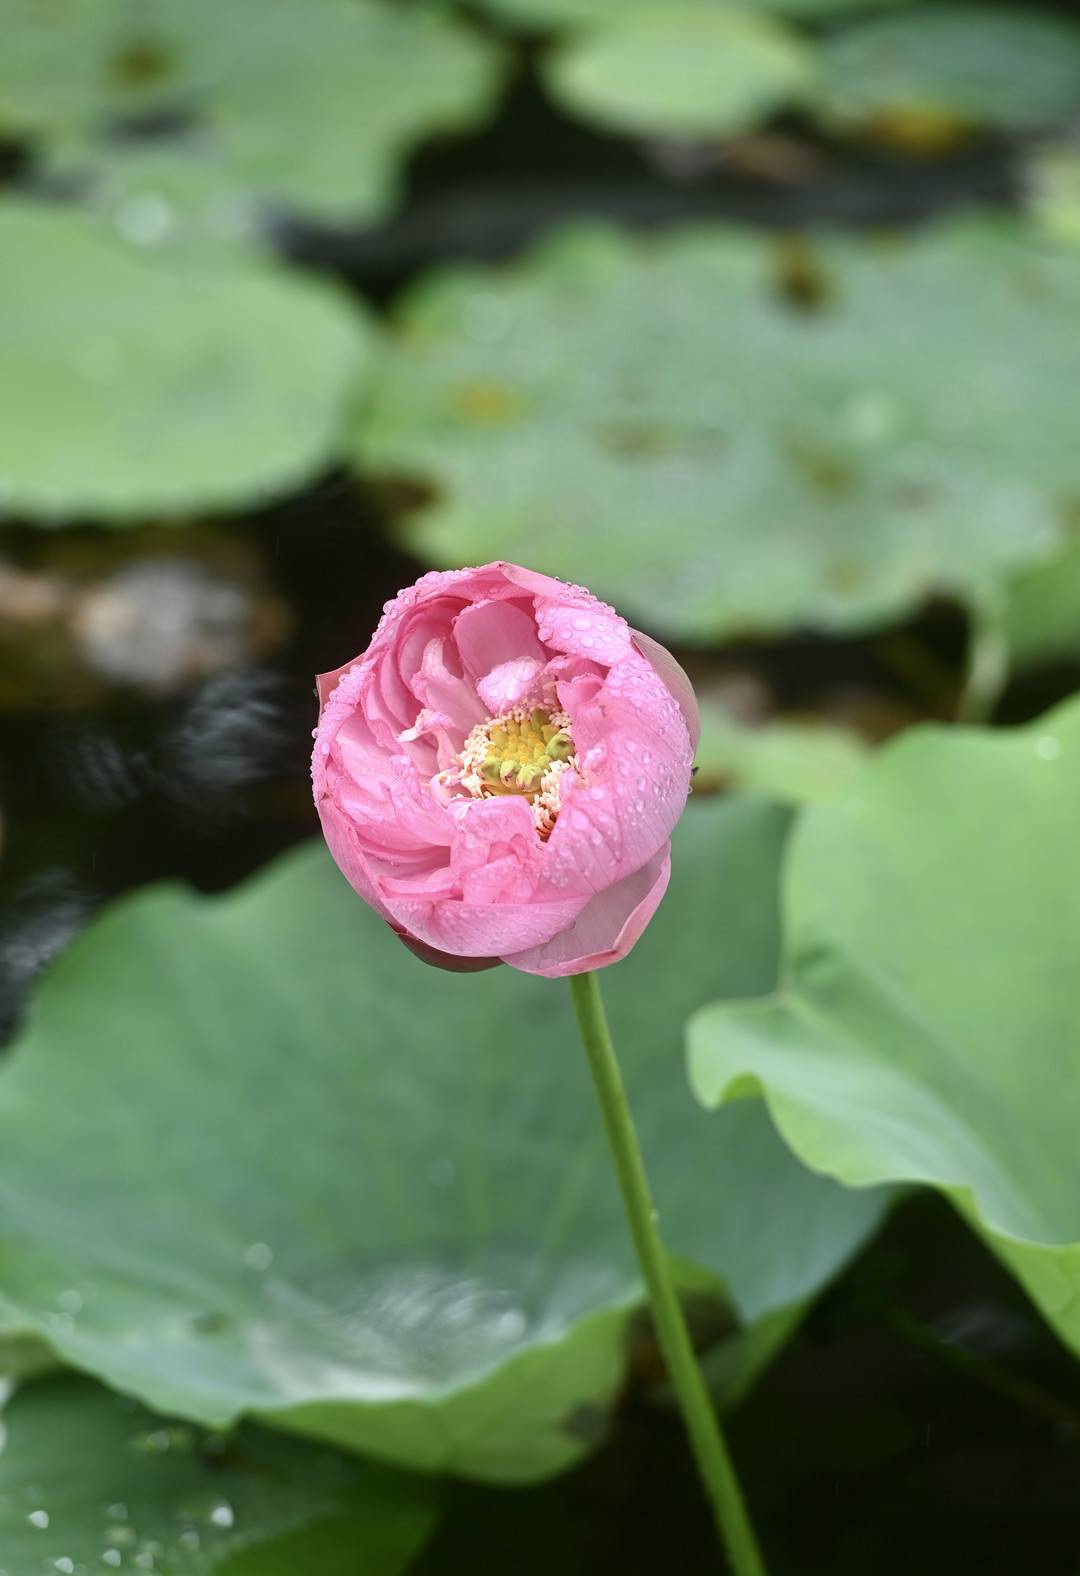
column 522, row 752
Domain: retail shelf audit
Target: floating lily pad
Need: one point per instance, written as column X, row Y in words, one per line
column 682, row 70
column 92, row 1482
column 922, row 74
column 924, row 1029
column 158, row 196
column 308, row 103
column 133, row 384
column 723, row 434
column 291, row 1172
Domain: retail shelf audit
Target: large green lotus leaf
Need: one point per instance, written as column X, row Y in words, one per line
column 311, row 103
column 682, row 70
column 133, row 384
column 653, row 419
column 307, row 1178
column 953, row 65
column 92, row 1482
column 925, row 1025
column 564, row 13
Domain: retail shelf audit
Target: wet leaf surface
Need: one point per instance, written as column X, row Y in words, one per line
column 374, row 1203
column 754, row 436
column 132, row 384
column 881, row 1057
column 685, row 70
column 92, row 1481
column 310, row 104
column 922, row 74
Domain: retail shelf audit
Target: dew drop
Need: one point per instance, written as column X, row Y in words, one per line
column 510, row 1326
column 258, row 1256
column 1047, row 748
column 39, row 1518
column 64, row 1564
column 145, row 220
column 222, row 1514
column 112, row 1557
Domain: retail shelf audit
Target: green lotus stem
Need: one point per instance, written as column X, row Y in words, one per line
column 710, row 1451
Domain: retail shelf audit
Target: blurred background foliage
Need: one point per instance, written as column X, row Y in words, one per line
column 761, row 319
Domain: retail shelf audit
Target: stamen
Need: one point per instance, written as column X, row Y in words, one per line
column 521, row 752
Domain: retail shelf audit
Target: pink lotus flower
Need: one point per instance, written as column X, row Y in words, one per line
column 498, row 775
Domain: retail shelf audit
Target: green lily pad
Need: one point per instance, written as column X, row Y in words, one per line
column 925, row 1025
column 681, row 70
column 291, row 1172
column 132, row 384
column 313, row 104
column 927, row 71
column 656, row 420
column 162, row 197
column 91, row 1481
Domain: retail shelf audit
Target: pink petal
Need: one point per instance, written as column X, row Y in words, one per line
column 607, row 927
column 509, row 685
column 444, row 689
column 327, row 683
column 530, row 580
column 673, row 676
column 488, row 634
column 635, row 759
column 481, row 930
column 446, row 960
column 341, row 839
column 571, row 619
